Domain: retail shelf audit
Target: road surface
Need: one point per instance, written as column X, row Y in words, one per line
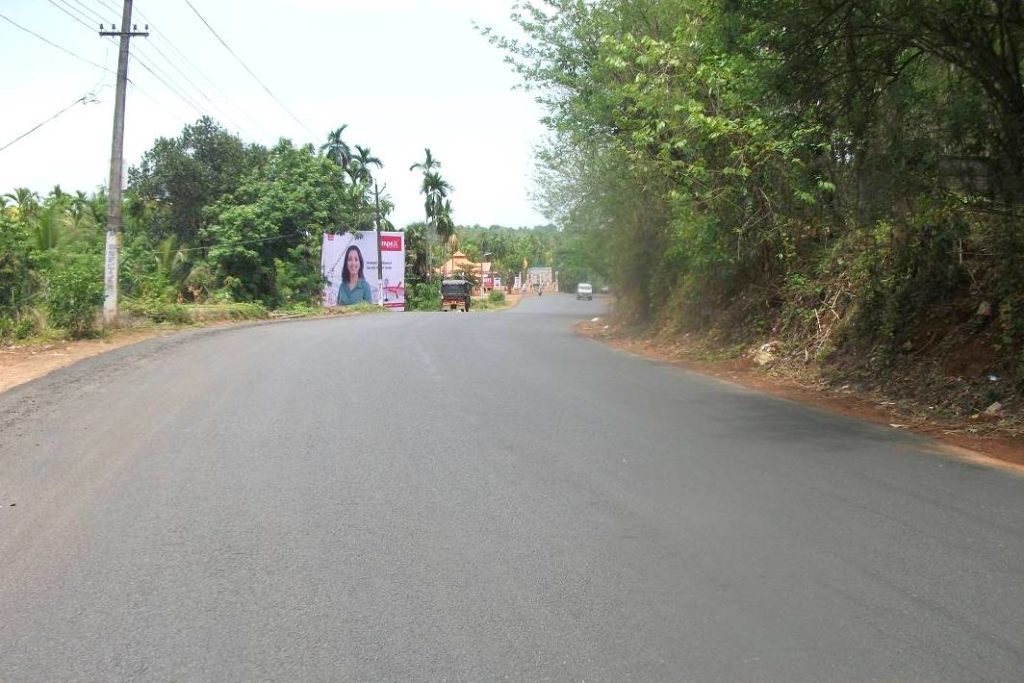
column 481, row 497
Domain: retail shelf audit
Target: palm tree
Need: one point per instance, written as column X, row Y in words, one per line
column 26, row 199
column 337, row 149
column 435, row 189
column 171, row 260
column 359, row 165
column 445, row 228
column 79, row 208
column 429, row 163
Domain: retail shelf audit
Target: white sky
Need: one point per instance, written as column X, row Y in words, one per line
column 403, row 74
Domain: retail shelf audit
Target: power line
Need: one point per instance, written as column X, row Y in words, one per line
column 62, row 49
column 194, row 86
column 171, row 83
column 134, row 85
column 236, row 243
column 151, row 68
column 167, row 85
column 112, row 8
column 161, row 36
column 228, row 48
column 162, row 107
column 95, row 16
column 157, row 36
column 73, row 16
column 86, row 99
column 174, row 89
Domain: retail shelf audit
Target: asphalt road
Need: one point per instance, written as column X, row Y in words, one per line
column 481, row 497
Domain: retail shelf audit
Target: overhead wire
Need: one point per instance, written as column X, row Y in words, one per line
column 75, row 17
column 85, row 99
column 113, row 8
column 156, row 36
column 95, row 15
column 188, row 80
column 51, row 43
column 133, row 84
column 149, row 63
column 246, row 67
column 245, row 112
column 149, row 66
column 239, row 243
column 183, row 97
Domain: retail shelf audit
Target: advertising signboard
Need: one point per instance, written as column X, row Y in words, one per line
column 349, row 265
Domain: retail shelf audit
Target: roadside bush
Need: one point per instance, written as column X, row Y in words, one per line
column 74, row 297
column 496, row 296
column 426, row 296
column 25, row 327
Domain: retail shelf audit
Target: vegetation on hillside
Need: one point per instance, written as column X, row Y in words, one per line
column 845, row 178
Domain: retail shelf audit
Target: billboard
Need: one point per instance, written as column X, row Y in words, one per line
column 348, row 262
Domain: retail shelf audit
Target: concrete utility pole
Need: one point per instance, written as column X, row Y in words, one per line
column 112, row 256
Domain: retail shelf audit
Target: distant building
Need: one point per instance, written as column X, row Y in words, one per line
column 542, row 276
column 459, row 265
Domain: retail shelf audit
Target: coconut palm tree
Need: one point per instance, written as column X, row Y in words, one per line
column 79, row 209
column 171, row 260
column 337, row 149
column 26, row 200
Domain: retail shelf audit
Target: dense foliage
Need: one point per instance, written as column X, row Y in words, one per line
column 844, row 175
column 212, row 221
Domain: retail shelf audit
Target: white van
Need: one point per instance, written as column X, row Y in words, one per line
column 584, row 290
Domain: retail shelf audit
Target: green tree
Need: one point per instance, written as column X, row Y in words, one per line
column 277, row 218
column 19, row 281
column 179, row 177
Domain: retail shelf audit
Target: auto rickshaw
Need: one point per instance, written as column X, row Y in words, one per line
column 455, row 294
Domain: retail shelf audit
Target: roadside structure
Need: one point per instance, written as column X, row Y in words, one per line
column 540, row 277
column 460, row 265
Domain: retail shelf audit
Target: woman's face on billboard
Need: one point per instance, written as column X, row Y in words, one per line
column 352, row 262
